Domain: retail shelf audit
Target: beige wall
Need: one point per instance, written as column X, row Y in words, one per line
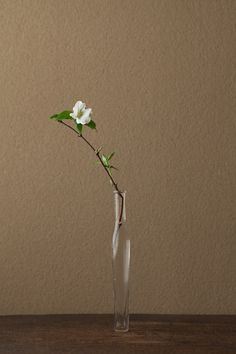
column 160, row 77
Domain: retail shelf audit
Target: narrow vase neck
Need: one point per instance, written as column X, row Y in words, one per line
column 120, row 206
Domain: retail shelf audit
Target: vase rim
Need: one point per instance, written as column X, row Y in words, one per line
column 123, row 192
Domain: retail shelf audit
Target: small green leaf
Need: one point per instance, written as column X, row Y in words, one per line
column 104, row 160
column 53, row 116
column 109, row 157
column 64, row 115
column 79, row 127
column 61, row 116
column 91, row 124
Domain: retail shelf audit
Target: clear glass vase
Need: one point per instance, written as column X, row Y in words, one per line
column 120, row 265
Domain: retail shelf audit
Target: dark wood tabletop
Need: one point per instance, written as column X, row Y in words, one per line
column 159, row 334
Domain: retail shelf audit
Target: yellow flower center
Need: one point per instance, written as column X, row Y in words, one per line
column 80, row 113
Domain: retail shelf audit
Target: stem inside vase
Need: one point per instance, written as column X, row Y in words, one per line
column 120, row 266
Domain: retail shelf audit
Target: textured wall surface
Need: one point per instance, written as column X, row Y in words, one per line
column 160, row 77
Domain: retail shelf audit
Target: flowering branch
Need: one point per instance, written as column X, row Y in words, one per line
column 82, row 116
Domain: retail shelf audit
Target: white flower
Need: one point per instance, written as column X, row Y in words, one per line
column 81, row 114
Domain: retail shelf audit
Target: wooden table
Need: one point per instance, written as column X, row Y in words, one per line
column 159, row 334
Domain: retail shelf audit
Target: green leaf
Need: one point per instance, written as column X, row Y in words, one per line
column 91, row 124
column 61, row 116
column 53, row 116
column 104, row 160
column 109, row 170
column 64, row 115
column 79, row 127
column 109, row 157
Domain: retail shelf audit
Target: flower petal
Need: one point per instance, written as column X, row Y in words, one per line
column 73, row 115
column 78, row 107
column 85, row 118
column 78, row 121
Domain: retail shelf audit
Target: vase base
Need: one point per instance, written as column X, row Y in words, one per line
column 121, row 330
column 121, row 326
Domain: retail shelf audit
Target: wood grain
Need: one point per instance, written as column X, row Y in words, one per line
column 162, row 334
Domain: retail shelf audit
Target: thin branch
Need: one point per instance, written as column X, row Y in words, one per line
column 115, row 185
